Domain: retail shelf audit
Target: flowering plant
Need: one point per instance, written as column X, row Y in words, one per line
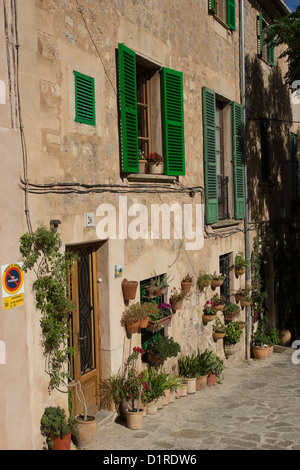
column 218, row 299
column 137, row 311
column 135, row 383
column 177, row 295
column 154, row 157
column 208, row 308
column 142, row 155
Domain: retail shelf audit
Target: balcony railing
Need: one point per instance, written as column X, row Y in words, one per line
column 223, row 197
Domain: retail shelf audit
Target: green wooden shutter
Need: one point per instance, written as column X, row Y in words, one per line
column 238, row 161
column 271, row 58
column 231, row 14
column 259, row 35
column 210, row 156
column 84, row 99
column 212, row 6
column 128, row 103
column 173, row 122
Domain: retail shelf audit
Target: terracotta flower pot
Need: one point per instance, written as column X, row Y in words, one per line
column 132, row 326
column 260, row 353
column 144, row 322
column 271, row 349
column 186, row 286
column 285, row 337
column 172, row 395
column 183, row 389
column 217, row 282
column 219, row 307
column 151, row 408
column 129, row 289
column 203, row 381
column 245, row 303
column 229, row 316
column 211, row 379
column 217, row 335
column 134, row 419
column 230, row 349
column 160, row 403
column 166, row 397
column 142, row 166
column 208, row 318
column 155, row 359
column 62, row 443
column 86, row 431
column 177, row 305
column 239, row 272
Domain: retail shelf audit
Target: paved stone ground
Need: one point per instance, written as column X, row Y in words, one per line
column 256, row 407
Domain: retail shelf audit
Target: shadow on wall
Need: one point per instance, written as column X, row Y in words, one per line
column 270, row 185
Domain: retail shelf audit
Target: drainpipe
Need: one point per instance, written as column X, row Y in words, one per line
column 246, row 222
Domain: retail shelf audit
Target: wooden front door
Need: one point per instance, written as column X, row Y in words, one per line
column 84, row 329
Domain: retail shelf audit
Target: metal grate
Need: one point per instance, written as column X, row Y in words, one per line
column 224, row 263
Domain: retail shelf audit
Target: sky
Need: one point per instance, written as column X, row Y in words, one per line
column 292, row 4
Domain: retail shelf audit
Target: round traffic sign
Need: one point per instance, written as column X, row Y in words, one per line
column 12, row 279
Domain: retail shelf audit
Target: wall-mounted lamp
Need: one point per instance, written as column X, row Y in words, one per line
column 54, row 224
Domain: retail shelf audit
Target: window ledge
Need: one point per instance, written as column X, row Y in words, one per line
column 225, row 224
column 143, row 177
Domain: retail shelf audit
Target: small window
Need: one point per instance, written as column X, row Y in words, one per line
column 84, row 99
column 224, row 267
column 264, row 49
column 224, row 10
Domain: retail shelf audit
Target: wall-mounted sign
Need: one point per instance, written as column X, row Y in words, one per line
column 12, row 285
column 119, row 270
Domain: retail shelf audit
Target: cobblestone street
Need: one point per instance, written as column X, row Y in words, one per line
column 256, row 407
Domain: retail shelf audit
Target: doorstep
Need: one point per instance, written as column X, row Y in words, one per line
column 104, row 417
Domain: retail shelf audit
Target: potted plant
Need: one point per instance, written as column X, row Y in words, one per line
column 155, row 162
column 176, row 299
column 241, row 294
column 246, row 301
column 174, row 381
column 232, row 338
column 274, row 340
column 240, row 264
column 186, row 283
column 162, row 283
column 209, row 311
column 260, row 342
column 57, row 428
column 205, row 361
column 188, row 368
column 160, row 316
column 216, row 368
column 242, row 324
column 161, row 349
column 219, row 302
column 152, row 290
column 217, row 280
column 203, row 280
column 219, row 330
column 129, row 289
column 231, row 311
column 137, row 316
column 156, row 385
column 142, row 162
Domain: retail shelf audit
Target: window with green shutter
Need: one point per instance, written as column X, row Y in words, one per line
column 265, row 49
column 219, row 165
column 238, row 161
column 224, row 10
column 210, row 156
column 141, row 86
column 84, row 99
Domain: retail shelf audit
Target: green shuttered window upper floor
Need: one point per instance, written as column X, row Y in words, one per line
column 210, row 158
column 230, row 11
column 172, row 111
column 84, row 99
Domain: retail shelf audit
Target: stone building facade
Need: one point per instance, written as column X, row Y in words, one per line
column 70, row 157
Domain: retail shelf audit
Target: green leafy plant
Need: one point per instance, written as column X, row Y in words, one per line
column 231, row 308
column 54, row 423
column 164, row 347
column 218, row 299
column 208, row 308
column 274, row 336
column 157, row 383
column 41, row 253
column 203, row 280
column 219, row 327
column 218, row 277
column 233, row 333
column 188, row 366
column 176, row 295
column 136, row 311
column 205, row 361
column 260, row 337
column 240, row 261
